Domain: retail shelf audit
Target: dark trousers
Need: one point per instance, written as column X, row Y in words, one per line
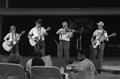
column 15, row 49
column 99, row 52
column 64, row 47
column 40, row 46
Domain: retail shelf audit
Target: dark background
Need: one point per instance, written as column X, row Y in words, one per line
column 63, row 3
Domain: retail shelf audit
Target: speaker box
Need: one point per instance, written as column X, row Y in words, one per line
column 92, row 52
column 97, row 64
column 59, row 62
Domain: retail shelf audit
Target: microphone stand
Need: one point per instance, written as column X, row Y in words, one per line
column 79, row 41
column 81, row 38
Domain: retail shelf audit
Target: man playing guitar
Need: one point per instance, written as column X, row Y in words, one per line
column 36, row 36
column 98, row 42
column 11, row 41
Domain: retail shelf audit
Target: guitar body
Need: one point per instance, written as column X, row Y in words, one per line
column 32, row 42
column 95, row 44
column 6, row 46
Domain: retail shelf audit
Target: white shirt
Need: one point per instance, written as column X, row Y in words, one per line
column 98, row 33
column 88, row 69
column 11, row 37
column 64, row 36
column 36, row 33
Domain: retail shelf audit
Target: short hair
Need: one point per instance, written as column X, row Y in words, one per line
column 64, row 23
column 12, row 28
column 14, row 58
column 83, row 52
column 38, row 21
column 38, row 61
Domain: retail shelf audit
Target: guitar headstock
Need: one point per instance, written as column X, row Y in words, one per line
column 23, row 32
column 48, row 28
column 114, row 34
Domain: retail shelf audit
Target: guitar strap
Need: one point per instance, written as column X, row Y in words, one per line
column 102, row 35
column 12, row 36
column 39, row 32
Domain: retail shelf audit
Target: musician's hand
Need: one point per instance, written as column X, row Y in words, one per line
column 29, row 36
column 107, row 39
column 18, row 39
column 73, row 30
column 75, row 70
column 46, row 33
column 10, row 43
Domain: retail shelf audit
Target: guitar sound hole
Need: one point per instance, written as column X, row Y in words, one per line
column 10, row 44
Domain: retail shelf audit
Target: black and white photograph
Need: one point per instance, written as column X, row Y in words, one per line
column 59, row 39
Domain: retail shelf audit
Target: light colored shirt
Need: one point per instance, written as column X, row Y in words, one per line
column 38, row 32
column 64, row 35
column 11, row 37
column 98, row 33
column 88, row 69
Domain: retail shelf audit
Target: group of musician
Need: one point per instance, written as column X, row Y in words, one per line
column 37, row 39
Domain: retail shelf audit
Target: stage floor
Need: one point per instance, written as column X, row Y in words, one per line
column 108, row 63
column 112, row 63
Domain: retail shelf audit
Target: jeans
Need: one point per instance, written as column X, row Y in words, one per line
column 64, row 47
column 40, row 46
column 99, row 52
column 15, row 49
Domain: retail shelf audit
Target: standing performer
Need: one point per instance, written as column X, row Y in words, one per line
column 11, row 40
column 97, row 40
column 64, row 40
column 36, row 36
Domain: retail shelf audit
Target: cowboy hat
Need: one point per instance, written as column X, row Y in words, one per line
column 100, row 23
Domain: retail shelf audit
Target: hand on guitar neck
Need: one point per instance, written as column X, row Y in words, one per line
column 18, row 38
column 49, row 28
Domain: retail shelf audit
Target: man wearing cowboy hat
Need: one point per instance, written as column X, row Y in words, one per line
column 97, row 40
column 36, row 34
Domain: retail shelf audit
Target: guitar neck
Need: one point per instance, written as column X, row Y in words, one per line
column 48, row 29
column 109, row 35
